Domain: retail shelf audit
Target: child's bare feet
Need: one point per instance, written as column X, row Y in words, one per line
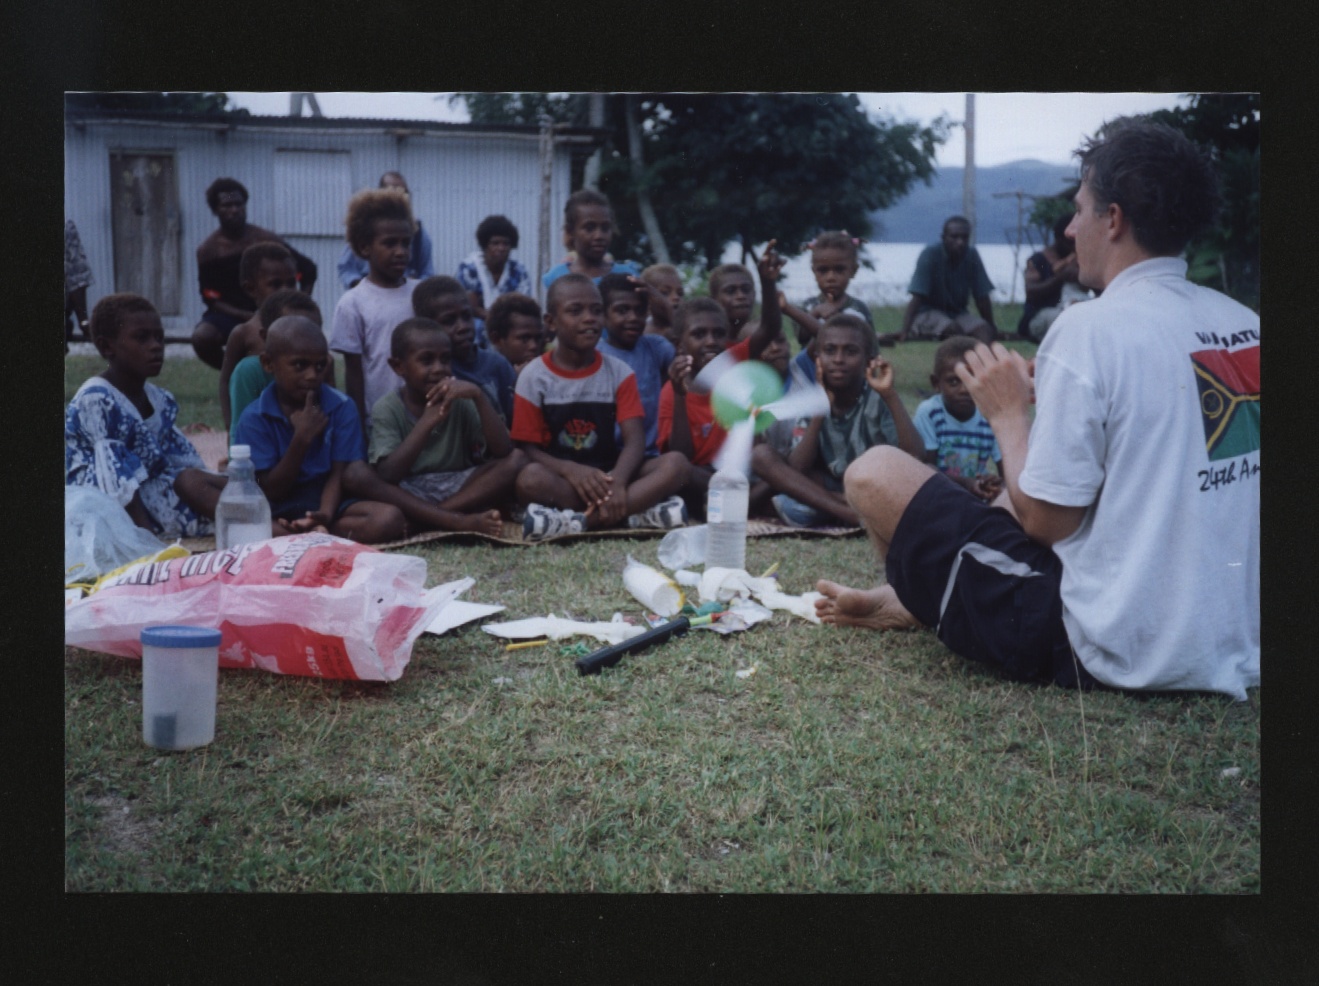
column 873, row 609
column 488, row 522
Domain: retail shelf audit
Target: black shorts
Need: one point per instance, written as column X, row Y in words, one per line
column 970, row 571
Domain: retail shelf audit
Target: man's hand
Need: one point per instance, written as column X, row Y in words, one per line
column 879, row 375
column 309, row 421
column 998, row 380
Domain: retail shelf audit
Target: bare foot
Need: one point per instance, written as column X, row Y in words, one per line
column 489, row 522
column 873, row 609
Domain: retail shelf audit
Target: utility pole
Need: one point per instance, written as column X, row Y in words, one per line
column 546, row 189
column 969, row 173
column 296, row 99
column 596, row 118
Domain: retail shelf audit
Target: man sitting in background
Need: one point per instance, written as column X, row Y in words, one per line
column 947, row 274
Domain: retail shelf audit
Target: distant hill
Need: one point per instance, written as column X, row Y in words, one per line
column 918, row 217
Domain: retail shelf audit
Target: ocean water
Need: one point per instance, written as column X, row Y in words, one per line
column 893, row 263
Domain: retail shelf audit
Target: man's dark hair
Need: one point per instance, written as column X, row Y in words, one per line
column 619, row 284
column 955, row 219
column 250, row 263
column 431, row 290
column 219, row 187
column 492, row 226
column 1166, row 186
column 500, row 317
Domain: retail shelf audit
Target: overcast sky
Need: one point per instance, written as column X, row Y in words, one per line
column 1010, row 126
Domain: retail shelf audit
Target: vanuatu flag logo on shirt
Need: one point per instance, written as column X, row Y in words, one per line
column 1228, row 384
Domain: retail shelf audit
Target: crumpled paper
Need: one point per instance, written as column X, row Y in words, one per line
column 726, row 584
column 558, row 628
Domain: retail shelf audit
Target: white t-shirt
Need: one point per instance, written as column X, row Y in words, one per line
column 1148, row 414
column 364, row 321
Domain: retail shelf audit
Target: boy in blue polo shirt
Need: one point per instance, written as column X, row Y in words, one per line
column 306, row 438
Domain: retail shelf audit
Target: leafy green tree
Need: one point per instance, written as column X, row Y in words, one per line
column 1227, row 256
column 740, row 167
column 200, row 103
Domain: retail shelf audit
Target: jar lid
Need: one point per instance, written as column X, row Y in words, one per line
column 180, row 636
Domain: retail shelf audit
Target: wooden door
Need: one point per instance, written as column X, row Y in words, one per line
column 146, row 227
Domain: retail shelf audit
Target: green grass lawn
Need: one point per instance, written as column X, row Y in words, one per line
column 849, row 761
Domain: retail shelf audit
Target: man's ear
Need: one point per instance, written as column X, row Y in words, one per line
column 1117, row 221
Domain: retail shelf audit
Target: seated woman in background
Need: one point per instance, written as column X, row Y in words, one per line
column 490, row 272
column 1050, row 282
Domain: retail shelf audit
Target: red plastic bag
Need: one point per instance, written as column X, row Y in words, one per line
column 309, row 604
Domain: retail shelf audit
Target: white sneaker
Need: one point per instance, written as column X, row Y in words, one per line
column 665, row 515
column 546, row 522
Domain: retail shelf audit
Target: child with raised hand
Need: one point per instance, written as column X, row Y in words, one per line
column 443, row 300
column 516, row 329
column 958, row 441
column 668, row 292
column 120, row 434
column 626, row 300
column 249, row 377
column 834, row 262
column 440, row 439
column 380, row 228
column 864, row 410
column 704, row 327
column 264, row 269
column 579, row 419
column 306, row 440
column 588, row 228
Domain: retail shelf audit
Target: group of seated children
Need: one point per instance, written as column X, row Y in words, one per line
column 433, row 432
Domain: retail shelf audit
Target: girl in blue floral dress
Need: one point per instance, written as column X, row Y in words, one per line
column 119, row 430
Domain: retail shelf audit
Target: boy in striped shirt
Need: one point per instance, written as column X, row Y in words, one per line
column 583, row 472
column 958, row 439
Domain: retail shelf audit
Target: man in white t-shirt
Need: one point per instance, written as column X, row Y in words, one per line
column 1124, row 551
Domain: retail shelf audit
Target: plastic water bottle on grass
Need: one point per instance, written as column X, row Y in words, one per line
column 242, row 514
column 726, row 518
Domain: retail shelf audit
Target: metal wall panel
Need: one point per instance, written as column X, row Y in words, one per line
column 456, row 179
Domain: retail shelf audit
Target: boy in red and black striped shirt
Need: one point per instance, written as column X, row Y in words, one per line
column 585, row 474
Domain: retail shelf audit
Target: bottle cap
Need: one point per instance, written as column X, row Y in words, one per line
column 240, row 451
column 180, row 636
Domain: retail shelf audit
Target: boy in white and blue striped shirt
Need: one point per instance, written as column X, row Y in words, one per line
column 958, row 440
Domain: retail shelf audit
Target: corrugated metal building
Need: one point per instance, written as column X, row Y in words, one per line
column 135, row 183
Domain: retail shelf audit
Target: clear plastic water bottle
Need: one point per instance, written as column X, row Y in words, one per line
column 726, row 518
column 243, row 513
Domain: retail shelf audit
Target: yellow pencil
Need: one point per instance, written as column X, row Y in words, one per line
column 527, row 643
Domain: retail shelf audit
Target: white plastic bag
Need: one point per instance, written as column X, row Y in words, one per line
column 99, row 536
column 309, row 604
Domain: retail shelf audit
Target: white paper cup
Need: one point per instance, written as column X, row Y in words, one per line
column 652, row 589
column 180, row 672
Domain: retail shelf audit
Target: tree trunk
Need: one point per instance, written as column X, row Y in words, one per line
column 648, row 219
column 596, row 118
